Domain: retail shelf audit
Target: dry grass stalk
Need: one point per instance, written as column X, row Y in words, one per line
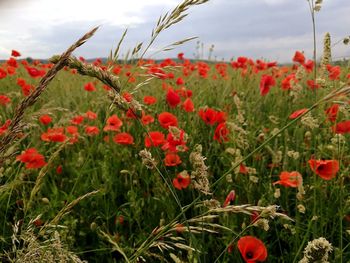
column 115, row 245
column 107, row 78
column 28, row 247
column 166, row 239
column 90, row 70
column 16, row 126
column 264, row 212
column 69, row 207
column 171, row 18
column 200, row 174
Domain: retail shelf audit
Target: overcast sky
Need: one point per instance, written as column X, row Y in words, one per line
column 270, row 29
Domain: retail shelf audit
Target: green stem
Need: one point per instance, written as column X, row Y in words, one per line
column 304, row 240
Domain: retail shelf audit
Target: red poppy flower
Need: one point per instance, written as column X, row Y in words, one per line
column 45, row 119
column 131, row 114
column 299, row 57
column 180, row 81
column 243, row 169
column 266, row 83
column 92, row 130
column 326, row 169
column 297, row 113
column 147, row 119
column 334, row 72
column 91, row 115
column 4, row 127
column 182, row 181
column 252, row 249
column 127, row 96
column 123, row 138
column 167, row 119
column 286, row 82
column 113, row 123
column 72, row 130
column 15, row 53
column 260, row 65
column 180, row 56
column 117, row 70
column 221, row 116
column 176, row 143
column 35, row 73
column 89, row 86
column 208, row 115
column 312, row 84
column 221, row 133
column 12, row 62
column 229, row 198
column 20, row 82
column 332, row 112
column 290, row 179
column 185, row 93
column 27, row 89
column 3, row 73
column 149, row 100
column 4, row 100
column 172, row 98
column 106, row 87
column 309, row 65
column 11, row 70
column 271, row 64
column 342, row 127
column 77, row 120
column 155, row 139
column 172, row 159
column 32, row 159
column 156, row 72
column 188, row 105
column 54, row 135
column 59, row 169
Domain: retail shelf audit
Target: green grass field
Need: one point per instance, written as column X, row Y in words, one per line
column 221, row 173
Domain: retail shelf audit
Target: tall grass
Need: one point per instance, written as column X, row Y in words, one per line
column 213, row 179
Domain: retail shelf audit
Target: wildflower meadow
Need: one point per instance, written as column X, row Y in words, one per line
column 174, row 160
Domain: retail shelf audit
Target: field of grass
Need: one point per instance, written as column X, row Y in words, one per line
column 174, row 160
column 234, row 162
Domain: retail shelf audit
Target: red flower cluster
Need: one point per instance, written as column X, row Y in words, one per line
column 4, row 127
column 45, row 119
column 123, row 138
column 290, row 179
column 4, row 100
column 326, row 169
column 266, row 83
column 342, row 127
column 297, row 113
column 113, row 124
column 35, row 73
column 182, row 180
column 166, row 119
column 211, row 116
column 221, row 133
column 89, row 86
column 154, row 139
column 32, row 159
column 252, row 249
column 26, row 88
column 54, row 135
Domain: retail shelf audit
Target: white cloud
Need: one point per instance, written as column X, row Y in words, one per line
column 275, row 2
column 24, row 22
column 45, row 13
